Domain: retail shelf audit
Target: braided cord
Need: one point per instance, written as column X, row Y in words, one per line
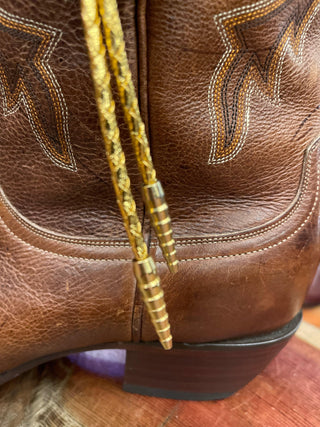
column 144, row 267
column 109, row 128
column 118, row 58
column 153, row 194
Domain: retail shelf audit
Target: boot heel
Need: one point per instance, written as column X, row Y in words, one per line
column 203, row 371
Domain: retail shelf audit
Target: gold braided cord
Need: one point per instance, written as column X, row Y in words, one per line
column 109, row 128
column 120, row 67
column 144, row 267
column 154, row 197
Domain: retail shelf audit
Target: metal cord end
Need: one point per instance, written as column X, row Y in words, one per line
column 157, row 209
column 149, row 284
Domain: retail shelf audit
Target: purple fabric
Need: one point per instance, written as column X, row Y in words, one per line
column 105, row 363
column 313, row 297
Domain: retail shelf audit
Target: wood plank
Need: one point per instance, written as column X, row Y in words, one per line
column 277, row 397
column 312, row 315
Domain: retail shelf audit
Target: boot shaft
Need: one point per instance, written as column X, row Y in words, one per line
column 229, row 94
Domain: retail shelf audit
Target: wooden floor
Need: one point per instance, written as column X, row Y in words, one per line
column 59, row 394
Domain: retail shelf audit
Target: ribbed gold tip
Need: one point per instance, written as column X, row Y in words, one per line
column 144, row 269
column 158, row 211
column 149, row 284
column 167, row 345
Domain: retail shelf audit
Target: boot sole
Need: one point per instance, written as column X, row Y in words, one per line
column 210, row 371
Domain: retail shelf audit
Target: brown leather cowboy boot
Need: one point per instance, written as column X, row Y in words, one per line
column 229, row 93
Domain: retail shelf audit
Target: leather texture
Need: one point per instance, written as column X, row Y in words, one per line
column 313, row 296
column 246, row 228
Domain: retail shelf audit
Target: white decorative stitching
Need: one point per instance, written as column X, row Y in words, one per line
column 55, row 237
column 266, row 247
column 253, row 86
column 56, row 36
column 196, row 258
column 304, row 183
column 62, row 255
column 205, row 240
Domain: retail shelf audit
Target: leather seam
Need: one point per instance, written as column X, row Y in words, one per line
column 189, row 259
column 62, row 255
column 244, row 236
column 137, row 306
column 180, row 243
column 198, row 258
column 267, row 247
column 48, row 236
